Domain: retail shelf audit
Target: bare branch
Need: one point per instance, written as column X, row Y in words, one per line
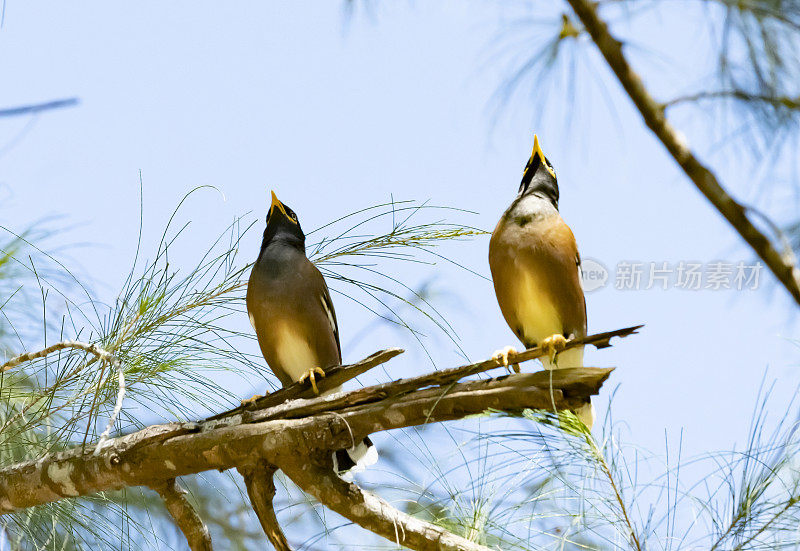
column 100, row 354
column 38, row 107
column 442, row 378
column 283, row 399
column 705, row 180
column 334, row 377
column 86, row 347
column 261, row 489
column 316, row 477
column 184, row 515
column 117, row 408
column 785, row 102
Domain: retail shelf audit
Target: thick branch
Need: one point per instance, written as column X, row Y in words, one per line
column 705, row 180
column 184, row 515
column 372, row 512
column 261, row 489
column 166, row 451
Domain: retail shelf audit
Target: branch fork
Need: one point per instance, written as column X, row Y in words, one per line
column 296, row 434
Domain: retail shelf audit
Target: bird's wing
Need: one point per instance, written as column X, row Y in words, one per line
column 327, row 304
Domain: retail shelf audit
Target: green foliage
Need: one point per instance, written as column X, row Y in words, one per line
column 173, row 331
column 541, row 481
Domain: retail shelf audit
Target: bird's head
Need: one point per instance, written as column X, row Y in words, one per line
column 539, row 177
column 282, row 224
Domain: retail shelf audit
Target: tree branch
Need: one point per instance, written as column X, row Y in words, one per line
column 261, row 489
column 177, row 449
column 184, row 515
column 86, row 347
column 334, row 377
column 281, row 402
column 298, row 436
column 785, row 102
column 316, row 477
column 38, row 107
column 705, row 180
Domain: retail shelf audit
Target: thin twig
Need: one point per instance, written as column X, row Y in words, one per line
column 653, row 114
column 86, row 347
column 100, row 354
column 261, row 489
column 623, row 508
column 38, row 107
column 184, row 515
column 117, row 407
column 782, row 101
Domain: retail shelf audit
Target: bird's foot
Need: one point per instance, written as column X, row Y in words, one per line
column 251, row 401
column 552, row 345
column 501, row 357
column 311, row 375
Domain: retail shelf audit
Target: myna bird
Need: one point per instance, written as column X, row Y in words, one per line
column 291, row 311
column 536, row 271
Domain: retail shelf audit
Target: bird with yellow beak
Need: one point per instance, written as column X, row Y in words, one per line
column 292, row 313
column 535, row 268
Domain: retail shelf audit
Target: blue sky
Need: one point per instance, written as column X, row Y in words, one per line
column 337, row 114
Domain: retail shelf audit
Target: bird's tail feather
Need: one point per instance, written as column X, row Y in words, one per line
column 353, row 460
column 568, row 358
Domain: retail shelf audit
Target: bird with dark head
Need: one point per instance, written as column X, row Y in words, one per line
column 283, row 226
column 291, row 311
column 535, row 268
column 539, row 177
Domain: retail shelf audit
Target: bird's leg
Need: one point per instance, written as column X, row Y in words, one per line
column 252, row 400
column 501, row 357
column 552, row 345
column 311, row 376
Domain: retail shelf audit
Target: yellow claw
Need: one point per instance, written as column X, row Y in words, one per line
column 311, row 376
column 501, row 357
column 252, row 400
column 552, row 345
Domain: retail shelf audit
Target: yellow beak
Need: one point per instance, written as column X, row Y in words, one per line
column 276, row 203
column 538, row 149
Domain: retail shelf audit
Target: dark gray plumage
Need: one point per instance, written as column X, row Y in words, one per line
column 291, row 311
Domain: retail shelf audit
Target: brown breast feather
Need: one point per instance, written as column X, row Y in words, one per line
column 546, row 249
